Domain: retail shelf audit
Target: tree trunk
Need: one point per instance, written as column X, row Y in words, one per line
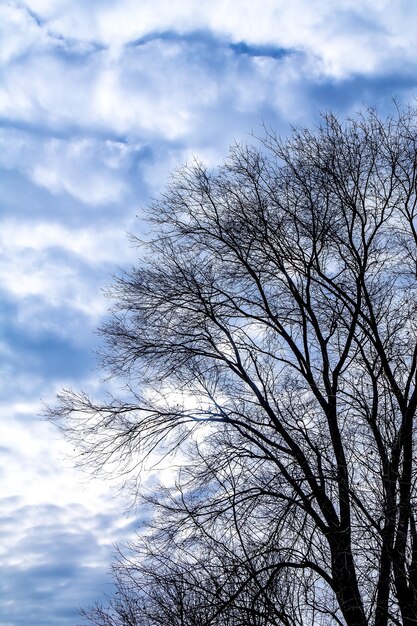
column 346, row 584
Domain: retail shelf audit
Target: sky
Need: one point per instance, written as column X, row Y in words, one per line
column 99, row 101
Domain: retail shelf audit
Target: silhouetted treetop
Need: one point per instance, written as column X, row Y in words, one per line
column 269, row 331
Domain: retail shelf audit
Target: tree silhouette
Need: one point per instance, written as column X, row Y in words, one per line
column 269, row 332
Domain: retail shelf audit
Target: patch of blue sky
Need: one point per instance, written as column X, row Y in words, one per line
column 210, row 41
column 261, row 51
column 35, row 16
column 48, row 354
column 347, row 97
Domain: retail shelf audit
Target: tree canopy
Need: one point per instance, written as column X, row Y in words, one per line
column 269, row 332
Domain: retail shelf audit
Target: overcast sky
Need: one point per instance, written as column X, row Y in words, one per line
column 99, row 101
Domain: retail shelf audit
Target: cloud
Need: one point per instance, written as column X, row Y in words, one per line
column 92, row 245
column 52, row 279
column 54, row 563
column 89, row 169
column 59, row 172
column 19, row 32
column 154, row 90
column 57, row 531
column 168, row 72
column 345, row 39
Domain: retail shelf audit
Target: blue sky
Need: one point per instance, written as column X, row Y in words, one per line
column 99, row 101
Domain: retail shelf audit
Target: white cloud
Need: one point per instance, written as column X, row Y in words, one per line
column 34, row 470
column 163, row 90
column 58, row 529
column 157, row 89
column 48, row 267
column 19, row 32
column 94, row 245
column 56, row 283
column 90, row 170
column 168, row 88
column 348, row 37
column 51, row 284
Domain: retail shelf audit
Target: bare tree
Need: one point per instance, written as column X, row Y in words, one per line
column 196, row 578
column 272, row 322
